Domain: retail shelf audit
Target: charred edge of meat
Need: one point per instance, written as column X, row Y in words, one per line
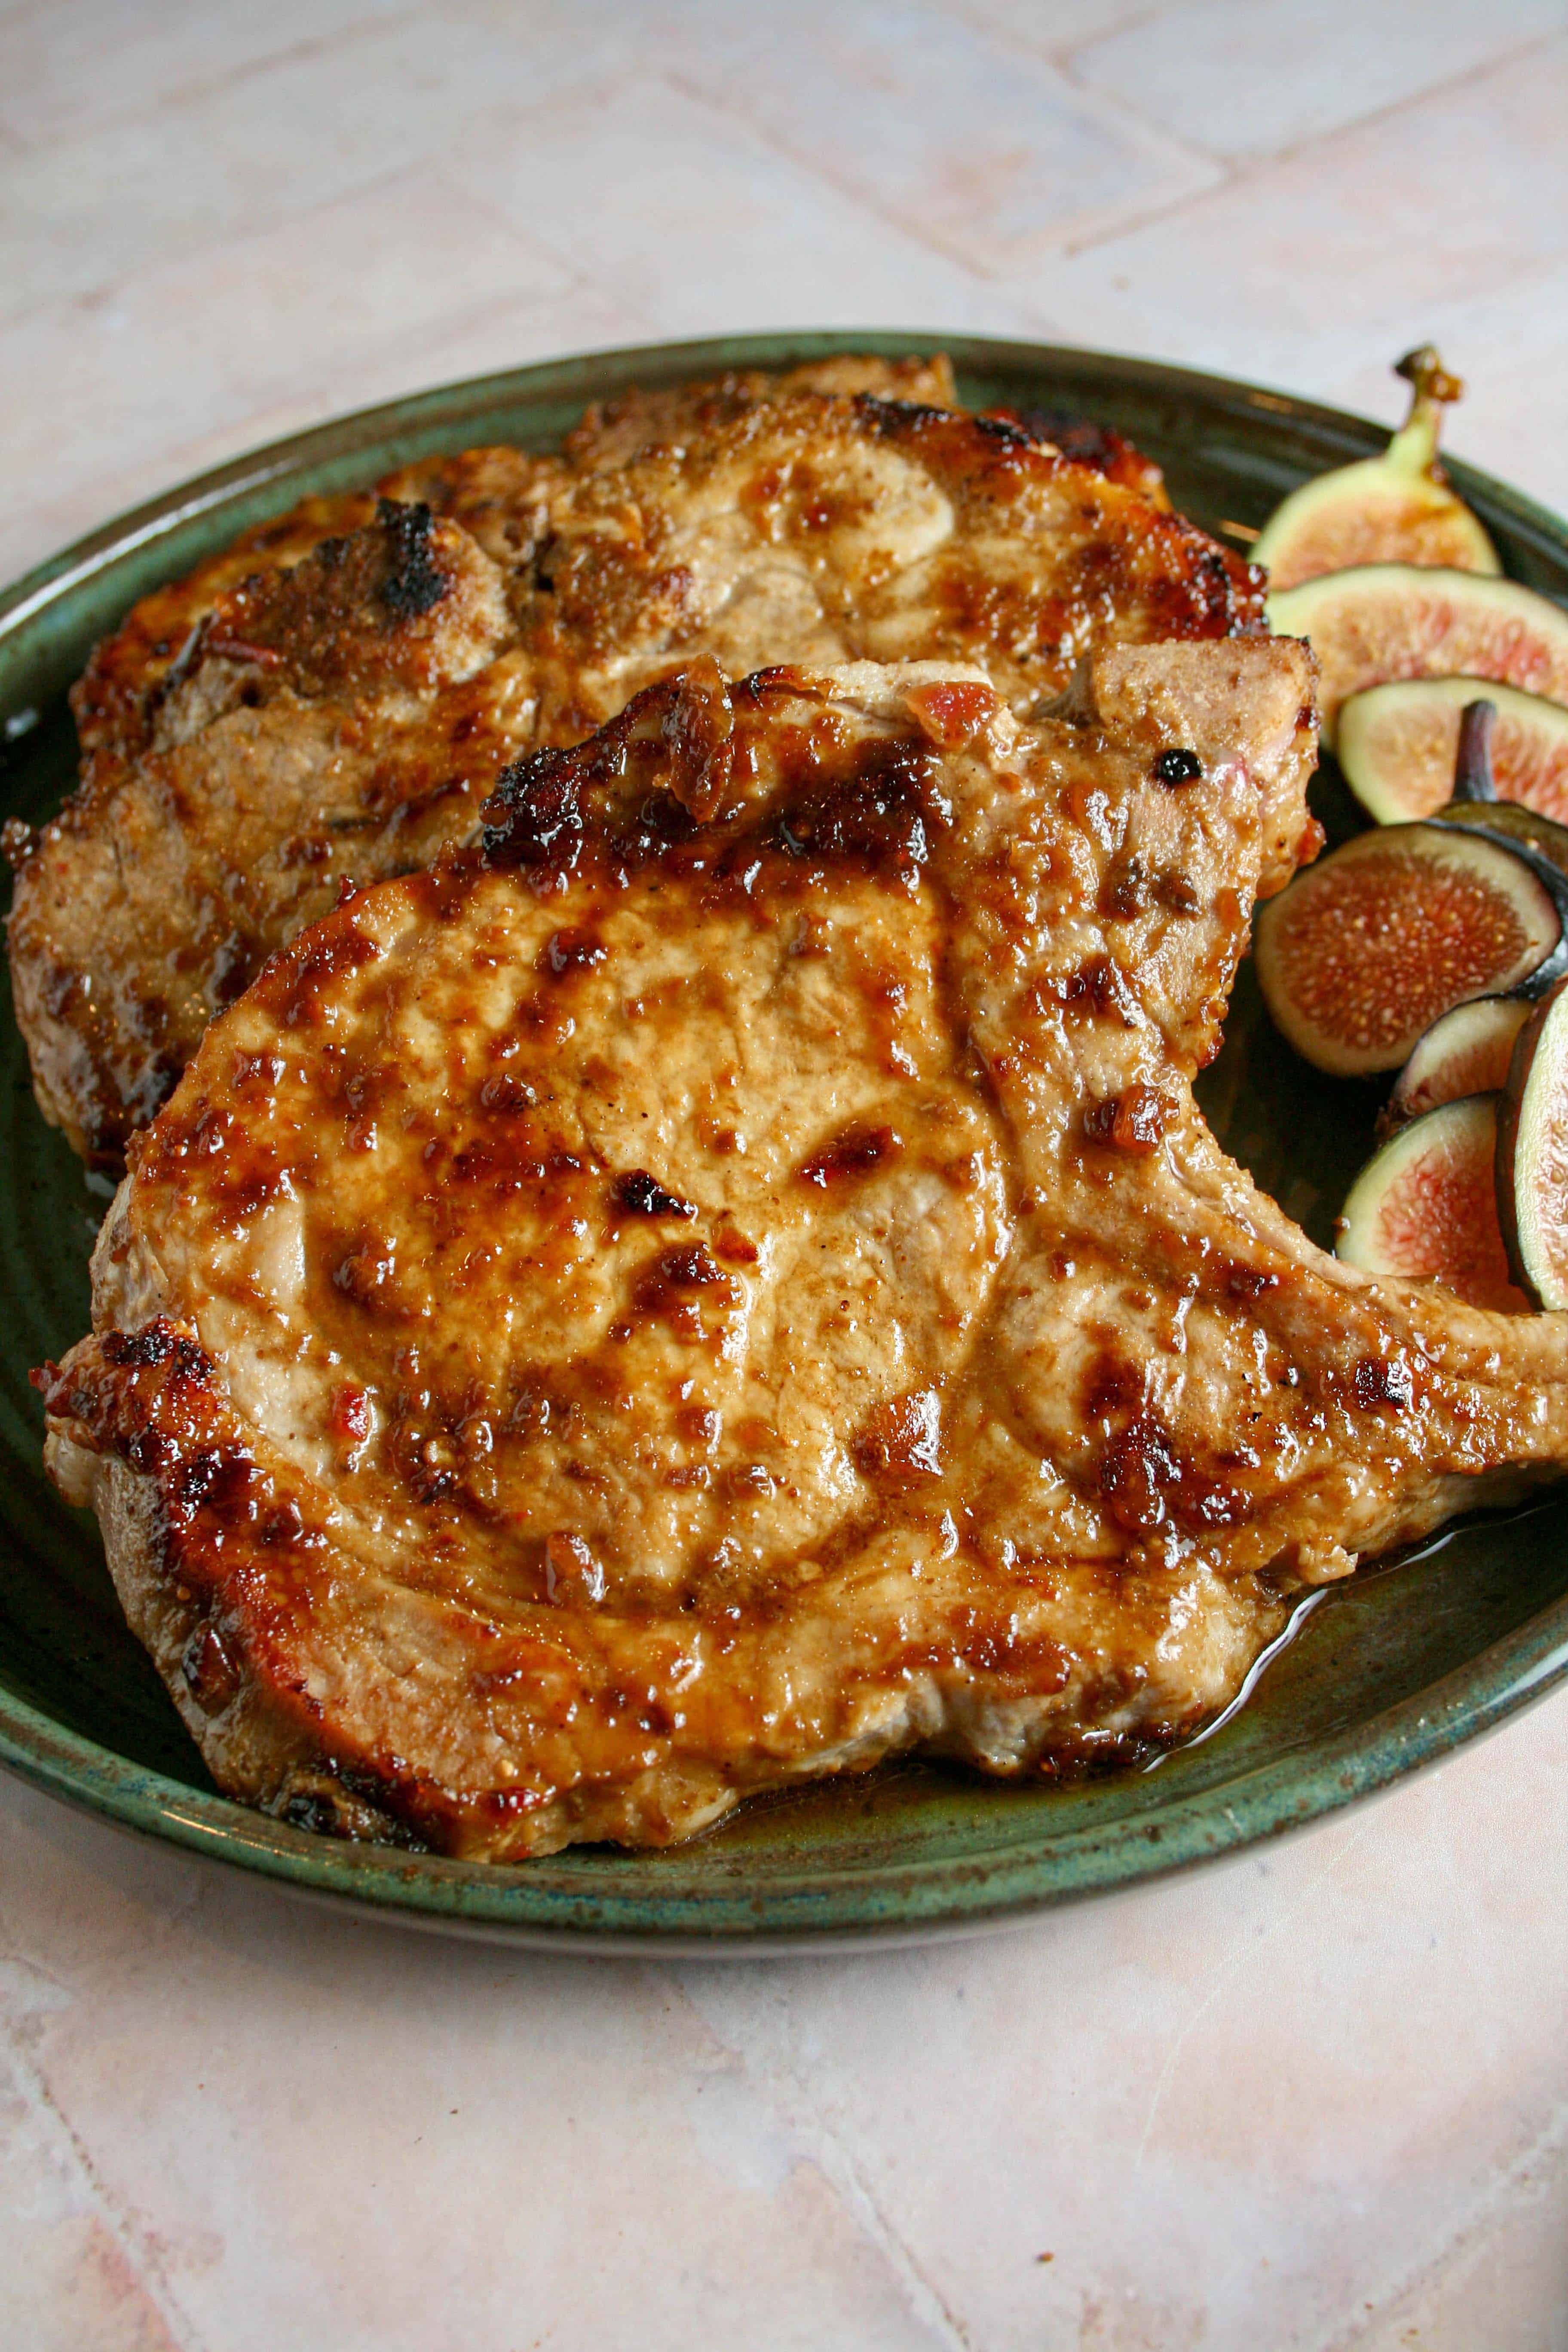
column 1081, row 438
column 890, row 417
column 885, row 812
column 157, row 1344
column 320, row 1811
column 1231, row 591
column 1211, row 592
column 1054, row 433
column 147, row 1400
column 642, row 1195
column 415, row 584
column 535, row 812
column 537, row 815
column 882, row 813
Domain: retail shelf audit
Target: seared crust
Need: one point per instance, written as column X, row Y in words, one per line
column 115, row 699
column 252, row 737
column 323, row 722
column 615, row 432
column 727, row 1282
column 818, row 529
column 500, row 496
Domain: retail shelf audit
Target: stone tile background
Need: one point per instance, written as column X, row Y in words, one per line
column 1314, row 2098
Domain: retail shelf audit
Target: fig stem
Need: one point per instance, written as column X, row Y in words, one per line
column 1414, row 448
column 1473, row 779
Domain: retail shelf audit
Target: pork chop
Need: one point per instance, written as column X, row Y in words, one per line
column 500, row 494
column 329, row 720
column 727, row 1282
column 239, row 767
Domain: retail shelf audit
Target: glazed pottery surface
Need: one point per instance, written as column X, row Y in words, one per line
column 1382, row 1675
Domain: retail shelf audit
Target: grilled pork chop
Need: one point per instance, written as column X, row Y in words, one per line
column 346, row 708
column 728, row 1282
column 499, row 495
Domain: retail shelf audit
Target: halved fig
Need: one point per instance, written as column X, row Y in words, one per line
column 1365, row 950
column 1424, row 1207
column 1468, row 1052
column 1540, row 840
column 1397, row 743
column 1396, row 509
column 1533, row 1154
column 1383, row 621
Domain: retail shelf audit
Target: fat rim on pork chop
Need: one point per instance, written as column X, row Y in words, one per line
column 332, row 700
column 727, row 1282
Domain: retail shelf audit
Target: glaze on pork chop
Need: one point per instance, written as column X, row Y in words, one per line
column 728, row 1282
column 255, row 736
column 500, row 496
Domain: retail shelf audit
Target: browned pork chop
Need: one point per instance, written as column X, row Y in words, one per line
column 241, row 763
column 500, row 494
column 819, row 529
column 729, row 1282
column 330, row 720
column 613, row 432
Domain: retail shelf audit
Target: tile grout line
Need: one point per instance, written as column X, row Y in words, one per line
column 780, row 2088
column 1242, row 171
column 755, row 140
column 759, row 133
column 921, row 234
column 298, row 405
column 226, row 76
column 1244, row 1956
column 579, row 280
column 1151, row 217
column 430, row 162
column 1469, row 2239
column 273, row 391
column 131, row 2238
column 1056, row 53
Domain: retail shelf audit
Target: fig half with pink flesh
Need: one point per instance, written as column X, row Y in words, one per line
column 1397, row 744
column 1424, row 1207
column 1540, row 840
column 1384, row 621
column 1396, row 509
column 1533, row 1154
column 1366, row 948
column 1466, row 1052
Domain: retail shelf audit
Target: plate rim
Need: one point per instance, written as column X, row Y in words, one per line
column 526, row 1904
column 158, row 516
column 899, row 1902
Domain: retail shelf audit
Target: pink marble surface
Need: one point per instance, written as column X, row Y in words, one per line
column 1315, row 2098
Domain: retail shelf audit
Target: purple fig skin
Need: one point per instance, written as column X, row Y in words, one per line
column 1538, row 841
column 1392, row 747
column 1541, row 841
column 1430, row 1077
column 1473, row 778
column 1454, row 1245
column 1374, row 622
column 1294, row 977
column 1510, row 1109
column 1519, row 1069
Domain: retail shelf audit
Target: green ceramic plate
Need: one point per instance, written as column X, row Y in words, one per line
column 1385, row 1677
